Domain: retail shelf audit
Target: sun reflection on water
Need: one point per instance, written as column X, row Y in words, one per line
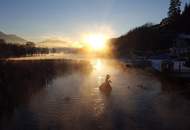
column 98, row 69
column 97, row 64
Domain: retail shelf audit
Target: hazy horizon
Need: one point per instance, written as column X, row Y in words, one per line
column 39, row 20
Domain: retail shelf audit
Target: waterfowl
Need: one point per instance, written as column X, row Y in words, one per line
column 106, row 87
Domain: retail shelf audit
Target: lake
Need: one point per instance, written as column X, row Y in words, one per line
column 64, row 95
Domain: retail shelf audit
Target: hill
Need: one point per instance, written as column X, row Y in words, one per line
column 150, row 38
column 54, row 43
column 11, row 38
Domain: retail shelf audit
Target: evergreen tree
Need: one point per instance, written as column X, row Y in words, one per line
column 185, row 19
column 186, row 11
column 174, row 9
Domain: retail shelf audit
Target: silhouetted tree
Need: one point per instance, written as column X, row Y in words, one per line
column 2, row 41
column 186, row 11
column 174, row 9
column 30, row 44
column 16, row 50
column 174, row 12
column 184, row 20
column 155, row 38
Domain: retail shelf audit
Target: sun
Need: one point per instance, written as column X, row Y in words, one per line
column 96, row 42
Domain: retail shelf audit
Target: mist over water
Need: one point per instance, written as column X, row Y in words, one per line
column 64, row 94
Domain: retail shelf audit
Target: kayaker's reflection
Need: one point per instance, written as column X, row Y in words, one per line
column 106, row 87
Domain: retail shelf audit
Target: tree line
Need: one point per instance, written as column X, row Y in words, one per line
column 18, row 50
column 154, row 38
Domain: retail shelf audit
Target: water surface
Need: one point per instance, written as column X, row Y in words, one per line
column 68, row 98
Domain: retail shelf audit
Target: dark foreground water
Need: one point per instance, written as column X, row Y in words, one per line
column 64, row 95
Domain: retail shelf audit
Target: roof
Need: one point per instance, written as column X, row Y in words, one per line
column 184, row 36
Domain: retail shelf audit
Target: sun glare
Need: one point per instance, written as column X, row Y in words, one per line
column 96, row 42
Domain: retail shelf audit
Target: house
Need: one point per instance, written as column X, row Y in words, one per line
column 181, row 46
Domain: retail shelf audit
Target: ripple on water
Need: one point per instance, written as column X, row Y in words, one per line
column 73, row 102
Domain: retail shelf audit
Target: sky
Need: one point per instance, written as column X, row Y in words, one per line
column 39, row 19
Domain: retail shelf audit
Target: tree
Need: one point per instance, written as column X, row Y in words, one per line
column 30, row 44
column 174, row 9
column 186, row 11
column 2, row 42
column 185, row 19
